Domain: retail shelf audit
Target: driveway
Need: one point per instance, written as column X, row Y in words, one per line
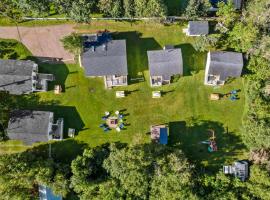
column 41, row 41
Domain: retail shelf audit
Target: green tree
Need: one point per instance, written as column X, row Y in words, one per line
column 112, row 8
column 80, row 10
column 73, row 43
column 37, row 8
column 129, row 10
column 151, row 8
column 227, row 16
column 204, row 43
column 197, row 8
column 243, row 36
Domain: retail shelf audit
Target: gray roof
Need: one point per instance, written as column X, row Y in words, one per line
column 226, row 64
column 111, row 60
column 165, row 62
column 29, row 126
column 16, row 76
column 237, row 4
column 198, row 27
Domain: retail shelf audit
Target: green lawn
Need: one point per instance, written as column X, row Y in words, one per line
column 185, row 106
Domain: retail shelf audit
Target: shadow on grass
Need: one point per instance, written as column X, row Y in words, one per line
column 193, row 61
column 137, row 48
column 188, row 137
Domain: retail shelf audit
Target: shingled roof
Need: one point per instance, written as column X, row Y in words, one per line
column 105, row 57
column 166, row 62
column 226, row 64
column 16, row 76
column 198, row 27
column 29, row 126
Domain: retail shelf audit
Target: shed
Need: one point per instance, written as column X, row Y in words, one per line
column 197, row 28
column 239, row 169
column 163, row 64
column 222, row 65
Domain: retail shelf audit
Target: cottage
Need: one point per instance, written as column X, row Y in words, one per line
column 239, row 169
column 164, row 64
column 107, row 58
column 22, row 77
column 159, row 134
column 34, row 126
column 197, row 28
column 222, row 65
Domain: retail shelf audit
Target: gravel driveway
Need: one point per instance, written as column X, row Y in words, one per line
column 41, row 41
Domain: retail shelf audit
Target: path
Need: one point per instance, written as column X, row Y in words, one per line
column 41, row 41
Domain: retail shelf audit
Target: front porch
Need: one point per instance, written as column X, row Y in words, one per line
column 214, row 80
column 156, row 81
column 114, row 80
column 56, row 132
column 40, row 82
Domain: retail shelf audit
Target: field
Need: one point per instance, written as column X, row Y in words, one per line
column 185, row 105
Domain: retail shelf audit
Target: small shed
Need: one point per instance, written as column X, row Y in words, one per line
column 197, row 28
column 214, row 96
column 159, row 134
column 239, row 169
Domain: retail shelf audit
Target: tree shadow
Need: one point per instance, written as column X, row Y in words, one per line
column 137, row 48
column 193, row 61
column 189, row 136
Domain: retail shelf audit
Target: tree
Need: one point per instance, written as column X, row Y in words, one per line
column 151, row 171
column 151, row 8
column 9, row 8
column 243, row 36
column 22, row 172
column 35, row 8
column 197, row 8
column 227, row 16
column 129, row 10
column 112, row 8
column 80, row 10
column 204, row 43
column 73, row 43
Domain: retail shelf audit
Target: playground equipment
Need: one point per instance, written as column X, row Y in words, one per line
column 212, row 145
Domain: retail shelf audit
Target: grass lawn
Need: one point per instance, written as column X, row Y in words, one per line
column 185, row 106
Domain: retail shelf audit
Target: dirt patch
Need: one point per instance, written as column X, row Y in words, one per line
column 41, row 41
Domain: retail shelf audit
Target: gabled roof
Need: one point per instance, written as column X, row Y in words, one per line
column 165, row 62
column 16, row 76
column 29, row 126
column 198, row 27
column 108, row 57
column 226, row 64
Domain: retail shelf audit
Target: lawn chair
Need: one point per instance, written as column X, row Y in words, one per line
column 104, row 118
column 102, row 125
column 121, row 116
column 122, row 126
column 106, row 129
column 120, row 94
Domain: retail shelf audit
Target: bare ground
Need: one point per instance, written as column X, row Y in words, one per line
column 41, row 41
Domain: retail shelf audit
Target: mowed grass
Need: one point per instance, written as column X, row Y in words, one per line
column 185, row 106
